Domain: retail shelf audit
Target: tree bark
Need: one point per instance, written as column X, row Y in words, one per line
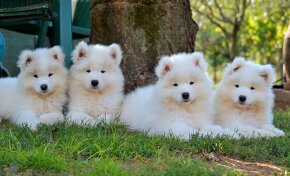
column 146, row 30
column 234, row 47
column 286, row 56
column 282, row 99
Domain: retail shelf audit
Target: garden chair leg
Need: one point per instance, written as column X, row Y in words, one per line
column 62, row 28
column 43, row 26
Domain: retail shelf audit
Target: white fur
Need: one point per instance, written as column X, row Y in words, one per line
column 253, row 117
column 160, row 108
column 21, row 99
column 88, row 104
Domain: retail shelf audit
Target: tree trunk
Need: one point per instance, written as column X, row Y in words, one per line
column 286, row 56
column 146, row 30
column 234, row 46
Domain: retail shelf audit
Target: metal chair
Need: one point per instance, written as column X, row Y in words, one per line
column 34, row 16
column 81, row 25
column 3, row 71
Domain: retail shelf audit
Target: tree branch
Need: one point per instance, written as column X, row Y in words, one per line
column 210, row 13
column 237, row 4
column 211, row 19
column 241, row 15
column 225, row 19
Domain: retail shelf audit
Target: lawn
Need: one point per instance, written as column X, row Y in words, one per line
column 113, row 150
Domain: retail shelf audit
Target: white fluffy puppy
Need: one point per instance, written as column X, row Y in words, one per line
column 244, row 99
column 178, row 104
column 96, row 83
column 39, row 92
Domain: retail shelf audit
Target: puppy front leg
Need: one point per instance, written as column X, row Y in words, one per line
column 51, row 118
column 26, row 118
column 81, row 118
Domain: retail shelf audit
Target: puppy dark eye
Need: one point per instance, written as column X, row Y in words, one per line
column 35, row 76
column 252, row 88
column 191, row 83
column 88, row 71
column 175, row 84
column 103, row 71
column 237, row 86
column 50, row 74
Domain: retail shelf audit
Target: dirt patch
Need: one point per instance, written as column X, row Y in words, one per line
column 250, row 168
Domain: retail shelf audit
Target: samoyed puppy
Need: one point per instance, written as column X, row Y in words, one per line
column 96, row 84
column 179, row 104
column 244, row 99
column 38, row 94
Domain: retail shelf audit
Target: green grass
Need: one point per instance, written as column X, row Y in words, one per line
column 114, row 150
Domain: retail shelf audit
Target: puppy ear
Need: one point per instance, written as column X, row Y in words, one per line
column 199, row 61
column 236, row 65
column 80, row 52
column 267, row 73
column 116, row 52
column 25, row 59
column 57, row 53
column 164, row 66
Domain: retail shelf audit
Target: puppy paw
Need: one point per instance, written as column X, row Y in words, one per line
column 182, row 130
column 215, row 130
column 231, row 134
column 27, row 118
column 31, row 125
column 265, row 133
column 80, row 118
column 107, row 118
column 278, row 132
column 51, row 118
column 213, row 134
column 257, row 133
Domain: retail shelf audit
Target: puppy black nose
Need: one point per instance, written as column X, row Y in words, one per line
column 242, row 98
column 94, row 83
column 185, row 95
column 43, row 87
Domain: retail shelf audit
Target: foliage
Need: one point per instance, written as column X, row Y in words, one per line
column 114, row 150
column 260, row 36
